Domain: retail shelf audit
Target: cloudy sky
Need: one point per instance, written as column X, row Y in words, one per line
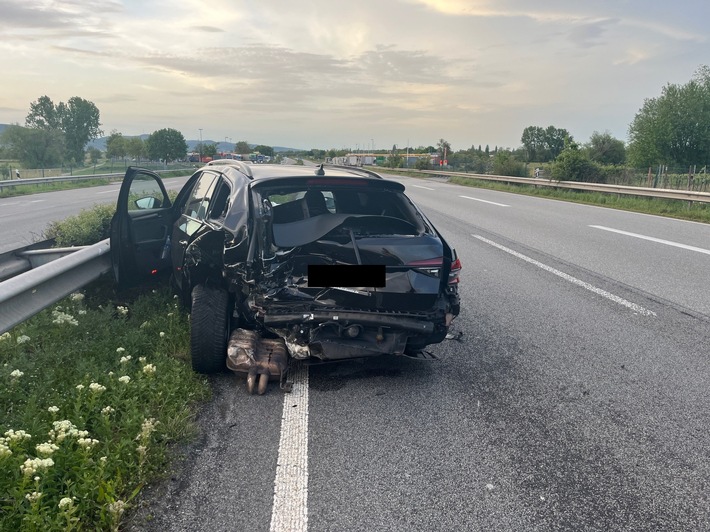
column 334, row 74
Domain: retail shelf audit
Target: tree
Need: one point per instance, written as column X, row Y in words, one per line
column 94, row 154
column 543, row 144
column 242, row 147
column 80, row 123
column 674, row 128
column 209, row 150
column 602, row 148
column 43, row 114
column 35, row 148
column 78, row 120
column 444, row 148
column 166, row 144
column 135, row 147
column 423, row 163
column 264, row 150
column 116, row 146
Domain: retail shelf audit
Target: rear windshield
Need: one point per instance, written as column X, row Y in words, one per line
column 299, row 203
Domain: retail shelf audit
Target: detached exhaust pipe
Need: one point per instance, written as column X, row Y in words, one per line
column 259, row 358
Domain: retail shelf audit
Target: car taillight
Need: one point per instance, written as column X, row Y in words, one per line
column 454, row 273
column 430, row 266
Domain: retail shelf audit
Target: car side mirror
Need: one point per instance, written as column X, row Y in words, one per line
column 148, row 202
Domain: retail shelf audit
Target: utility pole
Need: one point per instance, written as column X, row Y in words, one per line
column 200, row 145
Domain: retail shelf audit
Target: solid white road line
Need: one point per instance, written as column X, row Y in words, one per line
column 616, row 299
column 419, row 186
column 290, row 509
column 652, row 239
column 485, row 201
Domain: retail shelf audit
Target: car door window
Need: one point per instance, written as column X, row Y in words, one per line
column 197, row 203
column 145, row 193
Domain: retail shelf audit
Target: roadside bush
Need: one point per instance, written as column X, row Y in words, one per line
column 574, row 165
column 506, row 164
column 88, row 227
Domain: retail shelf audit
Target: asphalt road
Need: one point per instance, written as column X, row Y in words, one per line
column 576, row 400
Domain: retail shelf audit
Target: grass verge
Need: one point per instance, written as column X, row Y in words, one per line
column 94, row 392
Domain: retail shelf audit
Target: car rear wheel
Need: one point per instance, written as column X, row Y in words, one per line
column 209, row 321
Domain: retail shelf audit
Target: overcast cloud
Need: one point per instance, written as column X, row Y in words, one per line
column 325, row 74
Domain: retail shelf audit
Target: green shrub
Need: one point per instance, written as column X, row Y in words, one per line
column 88, row 227
column 506, row 164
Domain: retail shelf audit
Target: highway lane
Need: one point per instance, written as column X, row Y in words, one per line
column 562, row 408
column 23, row 219
column 665, row 258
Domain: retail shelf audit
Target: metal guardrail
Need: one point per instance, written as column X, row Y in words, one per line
column 26, row 294
column 686, row 195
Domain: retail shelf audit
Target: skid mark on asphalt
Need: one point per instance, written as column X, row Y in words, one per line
column 616, row 299
column 290, row 509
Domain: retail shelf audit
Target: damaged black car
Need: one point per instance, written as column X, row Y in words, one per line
column 282, row 262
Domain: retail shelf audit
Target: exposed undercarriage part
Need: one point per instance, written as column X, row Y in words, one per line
column 260, row 359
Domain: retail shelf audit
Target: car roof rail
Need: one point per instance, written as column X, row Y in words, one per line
column 239, row 165
column 364, row 171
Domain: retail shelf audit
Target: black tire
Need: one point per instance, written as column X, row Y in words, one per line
column 209, row 321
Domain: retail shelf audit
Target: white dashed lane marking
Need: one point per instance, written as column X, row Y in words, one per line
column 653, row 239
column 485, row 201
column 616, row 299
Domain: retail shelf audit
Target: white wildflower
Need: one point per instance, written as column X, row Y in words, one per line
column 32, row 465
column 17, row 435
column 149, row 369
column 123, row 311
column 125, row 359
column 34, row 496
column 62, row 317
column 79, row 387
column 142, row 360
column 22, row 339
column 117, row 508
column 46, row 448
column 82, row 312
column 95, row 387
column 5, row 336
column 120, row 350
column 17, row 374
column 87, row 443
column 124, row 380
column 107, row 410
column 66, row 502
column 77, row 296
column 62, row 429
column 170, row 314
column 147, row 428
column 162, row 334
column 53, row 409
column 4, row 448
